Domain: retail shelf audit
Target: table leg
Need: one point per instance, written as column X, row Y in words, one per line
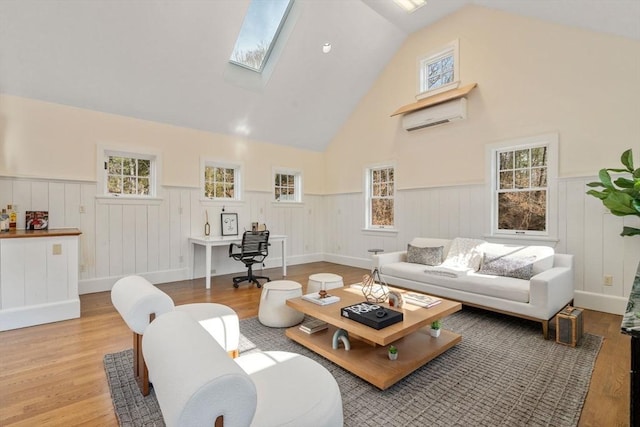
column 635, row 381
column 207, row 273
column 284, row 257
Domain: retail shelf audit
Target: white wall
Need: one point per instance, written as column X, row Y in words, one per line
column 151, row 239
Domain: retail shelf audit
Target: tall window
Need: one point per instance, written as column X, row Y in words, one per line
column 522, row 186
column 220, row 181
column 380, row 183
column 438, row 71
column 129, row 174
column 259, row 31
column 287, row 186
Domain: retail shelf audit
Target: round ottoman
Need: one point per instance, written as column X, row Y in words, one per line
column 330, row 280
column 273, row 310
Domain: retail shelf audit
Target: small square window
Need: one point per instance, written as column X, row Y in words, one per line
column 128, row 174
column 287, row 186
column 438, row 70
column 220, row 181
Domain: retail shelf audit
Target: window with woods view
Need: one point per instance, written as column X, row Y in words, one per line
column 438, row 71
column 220, row 182
column 129, row 176
column 522, row 189
column 380, row 197
column 287, row 186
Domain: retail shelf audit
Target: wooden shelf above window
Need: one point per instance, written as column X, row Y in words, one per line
column 436, row 99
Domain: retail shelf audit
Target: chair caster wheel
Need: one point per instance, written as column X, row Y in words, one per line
column 235, row 285
column 259, row 285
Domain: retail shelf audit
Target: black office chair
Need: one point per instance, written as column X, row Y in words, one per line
column 253, row 250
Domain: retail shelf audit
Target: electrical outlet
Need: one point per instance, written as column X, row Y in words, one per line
column 57, row 249
column 82, row 209
column 213, row 271
column 83, row 268
column 181, row 259
column 608, row 280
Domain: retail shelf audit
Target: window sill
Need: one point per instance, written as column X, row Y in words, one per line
column 522, row 238
column 287, row 204
column 221, row 202
column 381, row 230
column 122, row 200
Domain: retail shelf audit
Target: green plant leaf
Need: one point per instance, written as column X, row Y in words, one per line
column 605, row 178
column 595, row 184
column 627, row 159
column 619, row 204
column 630, row 231
column 624, row 182
column 599, row 194
column 635, row 204
column 636, row 173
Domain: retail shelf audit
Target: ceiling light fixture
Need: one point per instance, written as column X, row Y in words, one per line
column 326, row 48
column 410, row 5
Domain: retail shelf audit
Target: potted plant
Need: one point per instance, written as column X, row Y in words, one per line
column 436, row 325
column 622, row 196
column 393, row 352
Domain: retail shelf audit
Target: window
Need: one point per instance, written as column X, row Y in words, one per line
column 287, row 186
column 128, row 174
column 220, row 181
column 258, row 34
column 380, row 192
column 438, row 71
column 523, row 186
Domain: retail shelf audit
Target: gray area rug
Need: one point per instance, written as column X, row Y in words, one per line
column 503, row 373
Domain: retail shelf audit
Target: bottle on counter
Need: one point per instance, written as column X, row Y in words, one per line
column 13, row 217
column 4, row 221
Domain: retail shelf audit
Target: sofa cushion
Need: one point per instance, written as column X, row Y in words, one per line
column 425, row 256
column 502, row 265
column 543, row 254
column 506, row 288
column 464, row 253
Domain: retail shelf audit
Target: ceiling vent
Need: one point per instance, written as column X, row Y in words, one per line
column 436, row 115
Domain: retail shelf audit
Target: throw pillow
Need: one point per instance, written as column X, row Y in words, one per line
column 426, row 256
column 500, row 265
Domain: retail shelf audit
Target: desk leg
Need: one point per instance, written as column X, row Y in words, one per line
column 284, row 257
column 207, row 272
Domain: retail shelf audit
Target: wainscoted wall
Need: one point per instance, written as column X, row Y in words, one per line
column 151, row 239
column 585, row 229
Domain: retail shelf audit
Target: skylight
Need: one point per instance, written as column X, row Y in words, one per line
column 259, row 32
column 410, row 5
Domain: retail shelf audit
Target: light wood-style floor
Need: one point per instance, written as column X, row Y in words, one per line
column 52, row 375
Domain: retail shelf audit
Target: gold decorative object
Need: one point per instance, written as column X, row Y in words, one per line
column 374, row 291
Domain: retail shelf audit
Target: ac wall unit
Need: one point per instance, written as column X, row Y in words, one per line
column 436, row 115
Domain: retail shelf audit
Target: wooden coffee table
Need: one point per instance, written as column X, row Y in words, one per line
column 368, row 355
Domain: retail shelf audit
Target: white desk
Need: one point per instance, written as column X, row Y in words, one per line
column 210, row 241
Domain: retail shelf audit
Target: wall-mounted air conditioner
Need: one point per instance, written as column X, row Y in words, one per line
column 436, row 115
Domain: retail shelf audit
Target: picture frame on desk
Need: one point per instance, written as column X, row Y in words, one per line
column 229, row 224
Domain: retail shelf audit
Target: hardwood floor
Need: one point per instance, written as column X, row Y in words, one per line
column 52, row 375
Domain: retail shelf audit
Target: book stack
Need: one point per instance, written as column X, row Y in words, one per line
column 312, row 326
column 421, row 299
column 315, row 298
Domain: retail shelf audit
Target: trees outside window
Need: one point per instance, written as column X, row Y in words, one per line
column 523, row 182
column 380, row 182
column 220, row 180
column 127, row 174
column 287, row 186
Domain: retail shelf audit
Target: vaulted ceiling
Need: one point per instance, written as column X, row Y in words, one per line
column 167, row 61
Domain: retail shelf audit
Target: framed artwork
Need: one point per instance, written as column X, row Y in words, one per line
column 37, row 220
column 229, row 223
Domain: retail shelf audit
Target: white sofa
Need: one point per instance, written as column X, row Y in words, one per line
column 474, row 273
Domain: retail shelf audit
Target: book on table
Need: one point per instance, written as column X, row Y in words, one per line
column 421, row 300
column 315, row 298
column 313, row 325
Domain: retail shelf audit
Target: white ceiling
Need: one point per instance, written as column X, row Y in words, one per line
column 166, row 61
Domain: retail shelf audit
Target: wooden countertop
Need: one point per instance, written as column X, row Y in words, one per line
column 53, row 232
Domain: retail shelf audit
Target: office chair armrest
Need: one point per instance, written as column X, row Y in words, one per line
column 231, row 246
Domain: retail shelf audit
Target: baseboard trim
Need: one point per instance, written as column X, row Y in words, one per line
column 350, row 261
column 599, row 302
column 103, row 284
column 21, row 317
